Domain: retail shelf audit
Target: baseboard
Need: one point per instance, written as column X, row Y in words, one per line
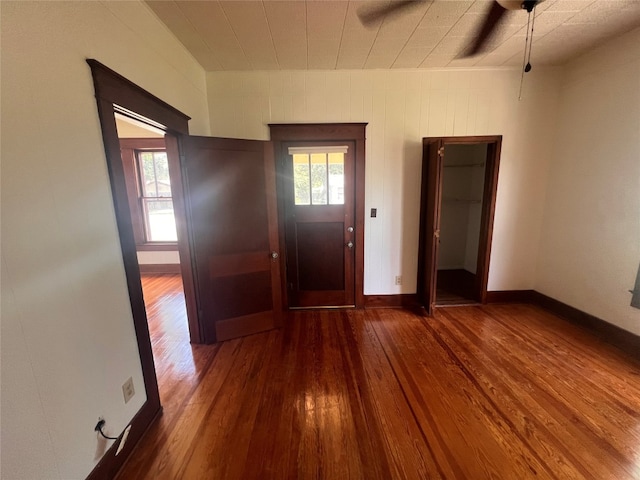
column 607, row 332
column 109, row 466
column 409, row 300
column 159, row 268
column 509, row 296
column 403, row 300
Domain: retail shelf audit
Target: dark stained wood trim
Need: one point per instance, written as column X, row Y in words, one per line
column 403, row 300
column 271, row 187
column 159, row 268
column 302, row 132
column 469, row 140
column 143, row 143
column 607, row 332
column 114, row 88
column 110, row 464
column 360, row 215
column 509, row 296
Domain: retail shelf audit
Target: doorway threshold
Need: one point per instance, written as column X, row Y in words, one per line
column 328, row 307
column 468, row 303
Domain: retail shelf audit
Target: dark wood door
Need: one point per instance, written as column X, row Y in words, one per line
column 230, row 191
column 319, row 223
column 430, row 201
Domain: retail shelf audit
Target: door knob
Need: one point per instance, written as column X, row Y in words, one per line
column 350, row 244
column 274, row 255
column 350, row 229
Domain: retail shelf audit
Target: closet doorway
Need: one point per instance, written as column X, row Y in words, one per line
column 459, row 183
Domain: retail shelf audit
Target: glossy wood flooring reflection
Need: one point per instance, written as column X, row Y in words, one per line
column 500, row 391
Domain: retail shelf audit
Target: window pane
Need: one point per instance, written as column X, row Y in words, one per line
column 301, row 181
column 319, row 178
column 148, row 175
column 163, row 183
column 336, row 178
column 161, row 223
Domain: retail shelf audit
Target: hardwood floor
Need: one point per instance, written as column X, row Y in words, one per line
column 498, row 391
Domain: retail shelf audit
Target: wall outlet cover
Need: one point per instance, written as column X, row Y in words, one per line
column 127, row 390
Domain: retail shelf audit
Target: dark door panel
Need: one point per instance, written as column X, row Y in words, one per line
column 231, row 197
column 319, row 223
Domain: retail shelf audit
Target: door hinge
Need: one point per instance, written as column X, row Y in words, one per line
column 436, row 233
column 441, row 152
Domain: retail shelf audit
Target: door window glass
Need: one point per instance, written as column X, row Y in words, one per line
column 318, row 178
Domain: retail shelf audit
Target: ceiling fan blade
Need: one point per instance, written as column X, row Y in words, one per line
column 370, row 16
column 491, row 21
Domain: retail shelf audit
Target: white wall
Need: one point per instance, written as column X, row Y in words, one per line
column 401, row 107
column 68, row 342
column 158, row 257
column 590, row 243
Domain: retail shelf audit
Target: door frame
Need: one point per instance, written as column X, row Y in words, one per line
column 430, row 208
column 113, row 91
column 282, row 133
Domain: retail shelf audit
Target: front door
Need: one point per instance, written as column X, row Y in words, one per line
column 232, row 212
column 319, row 223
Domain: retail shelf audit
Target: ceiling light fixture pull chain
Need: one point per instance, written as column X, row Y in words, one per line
column 528, row 43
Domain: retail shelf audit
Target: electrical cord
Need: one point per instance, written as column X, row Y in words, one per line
column 528, row 44
column 98, row 428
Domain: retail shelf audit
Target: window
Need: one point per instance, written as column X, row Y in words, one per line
column 156, row 204
column 318, row 175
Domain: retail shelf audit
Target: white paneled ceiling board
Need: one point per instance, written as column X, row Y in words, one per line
column 318, row 34
column 325, row 21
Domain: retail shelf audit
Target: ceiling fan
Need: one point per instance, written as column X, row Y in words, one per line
column 491, row 21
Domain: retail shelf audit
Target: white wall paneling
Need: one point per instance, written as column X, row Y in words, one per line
column 401, row 107
column 590, row 244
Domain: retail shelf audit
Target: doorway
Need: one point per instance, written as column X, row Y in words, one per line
column 320, row 188
column 459, row 184
column 319, row 202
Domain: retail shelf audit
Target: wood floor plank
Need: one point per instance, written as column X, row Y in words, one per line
column 474, row 441
column 478, row 392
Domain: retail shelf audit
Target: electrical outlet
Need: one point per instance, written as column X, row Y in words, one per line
column 123, row 439
column 127, row 390
column 398, row 279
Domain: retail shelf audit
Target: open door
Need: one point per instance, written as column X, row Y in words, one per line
column 230, row 191
column 430, row 200
column 464, row 225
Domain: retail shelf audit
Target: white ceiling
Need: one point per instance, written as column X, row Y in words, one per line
column 320, row 34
